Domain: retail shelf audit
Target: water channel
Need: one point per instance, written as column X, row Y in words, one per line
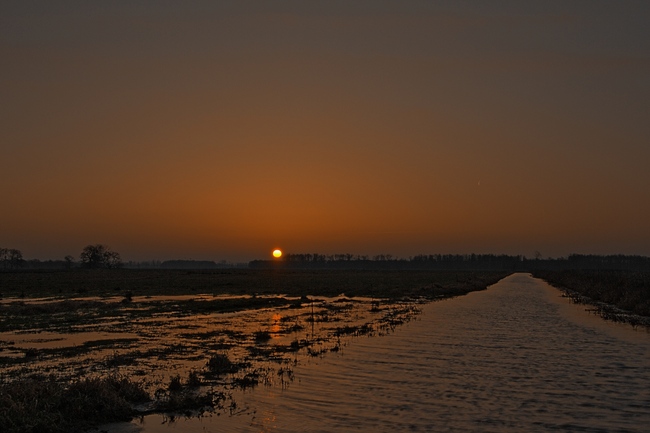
column 514, row 358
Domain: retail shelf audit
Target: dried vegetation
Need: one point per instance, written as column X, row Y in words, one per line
column 616, row 295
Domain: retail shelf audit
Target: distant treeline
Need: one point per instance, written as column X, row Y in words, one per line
column 194, row 264
column 455, row 262
column 152, row 264
column 12, row 259
column 35, row 264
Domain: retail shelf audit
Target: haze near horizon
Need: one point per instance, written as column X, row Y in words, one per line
column 223, row 130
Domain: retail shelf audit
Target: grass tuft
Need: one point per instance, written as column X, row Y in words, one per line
column 220, row 364
column 194, row 380
column 175, row 384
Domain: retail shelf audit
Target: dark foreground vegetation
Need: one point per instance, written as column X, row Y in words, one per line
column 617, row 295
column 48, row 406
column 99, row 256
column 117, row 387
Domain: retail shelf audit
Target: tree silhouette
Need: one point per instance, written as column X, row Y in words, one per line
column 11, row 258
column 69, row 261
column 99, row 256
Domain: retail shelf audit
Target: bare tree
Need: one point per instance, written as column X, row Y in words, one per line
column 4, row 257
column 69, row 261
column 113, row 260
column 99, row 256
column 15, row 258
column 11, row 258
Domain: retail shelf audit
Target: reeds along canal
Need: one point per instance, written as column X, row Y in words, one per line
column 517, row 357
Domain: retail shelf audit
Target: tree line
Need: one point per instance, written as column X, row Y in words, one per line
column 101, row 256
column 92, row 256
column 501, row 262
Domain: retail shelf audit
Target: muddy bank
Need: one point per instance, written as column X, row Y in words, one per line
column 619, row 296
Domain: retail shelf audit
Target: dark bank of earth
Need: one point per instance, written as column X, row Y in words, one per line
column 390, row 284
column 617, row 295
column 58, row 403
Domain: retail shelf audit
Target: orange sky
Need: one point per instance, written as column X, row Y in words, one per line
column 169, row 130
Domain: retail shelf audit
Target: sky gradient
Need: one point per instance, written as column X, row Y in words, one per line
column 220, row 130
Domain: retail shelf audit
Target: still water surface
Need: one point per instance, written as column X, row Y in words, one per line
column 514, row 358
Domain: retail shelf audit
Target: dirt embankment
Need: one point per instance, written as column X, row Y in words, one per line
column 135, row 282
column 622, row 296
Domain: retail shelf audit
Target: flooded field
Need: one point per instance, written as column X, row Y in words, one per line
column 78, row 349
column 155, row 324
column 158, row 338
column 517, row 357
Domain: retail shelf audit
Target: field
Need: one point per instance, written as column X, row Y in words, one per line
column 181, row 341
column 384, row 284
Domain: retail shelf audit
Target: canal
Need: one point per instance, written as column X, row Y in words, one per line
column 514, row 358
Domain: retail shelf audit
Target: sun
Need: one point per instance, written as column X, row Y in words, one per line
column 277, row 253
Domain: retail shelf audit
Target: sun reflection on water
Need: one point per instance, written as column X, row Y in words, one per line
column 276, row 326
column 268, row 421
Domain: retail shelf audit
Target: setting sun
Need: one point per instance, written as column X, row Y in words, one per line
column 277, row 254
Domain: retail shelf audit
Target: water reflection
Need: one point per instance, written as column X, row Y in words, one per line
column 276, row 326
column 158, row 339
column 514, row 358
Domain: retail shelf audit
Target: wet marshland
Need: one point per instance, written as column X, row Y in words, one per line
column 158, row 340
column 517, row 357
column 161, row 338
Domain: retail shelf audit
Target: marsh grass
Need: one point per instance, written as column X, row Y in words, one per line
column 175, row 384
column 194, row 379
column 219, row 364
column 185, row 400
column 619, row 296
column 48, row 406
column 251, row 379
